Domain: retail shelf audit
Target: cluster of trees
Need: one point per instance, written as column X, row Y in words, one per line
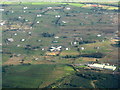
column 29, row 47
column 94, row 55
column 46, row 34
column 86, row 42
column 70, row 56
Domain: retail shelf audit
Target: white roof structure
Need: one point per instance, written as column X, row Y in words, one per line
column 39, row 40
column 56, row 37
column 64, row 21
column 102, row 66
column 55, row 48
column 49, row 7
column 38, row 22
column 110, row 67
column 26, row 20
column 1, row 24
column 12, row 11
column 82, row 48
column 10, row 39
column 68, row 8
column 22, row 40
column 43, row 49
column 66, row 48
column 25, row 7
column 57, row 16
column 36, row 58
column 19, row 17
column 39, row 15
column 1, row 9
column 75, row 42
column 29, row 32
column 99, row 35
column 15, row 34
column 18, row 45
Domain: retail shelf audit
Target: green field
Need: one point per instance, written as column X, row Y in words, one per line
column 32, row 76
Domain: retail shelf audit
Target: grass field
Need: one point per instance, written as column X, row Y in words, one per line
column 32, row 76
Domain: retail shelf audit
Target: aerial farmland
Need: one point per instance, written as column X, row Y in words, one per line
column 54, row 44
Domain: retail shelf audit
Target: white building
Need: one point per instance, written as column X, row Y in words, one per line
column 18, row 45
column 38, row 22
column 82, row 48
column 49, row 7
column 22, row 40
column 10, row 39
column 1, row 9
column 64, row 21
column 39, row 15
column 68, row 8
column 1, row 24
column 26, row 20
column 55, row 48
column 19, row 17
column 56, row 37
column 66, row 48
column 25, row 7
column 15, row 34
column 98, row 35
column 43, row 49
column 102, row 66
column 12, row 11
column 29, row 32
column 57, row 16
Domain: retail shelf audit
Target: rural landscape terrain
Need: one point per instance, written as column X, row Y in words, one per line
column 60, row 44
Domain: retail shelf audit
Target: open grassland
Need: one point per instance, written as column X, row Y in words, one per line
column 32, row 76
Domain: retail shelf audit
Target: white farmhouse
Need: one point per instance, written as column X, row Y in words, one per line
column 98, row 35
column 102, row 66
column 22, row 40
column 56, row 37
column 10, row 39
column 68, row 8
